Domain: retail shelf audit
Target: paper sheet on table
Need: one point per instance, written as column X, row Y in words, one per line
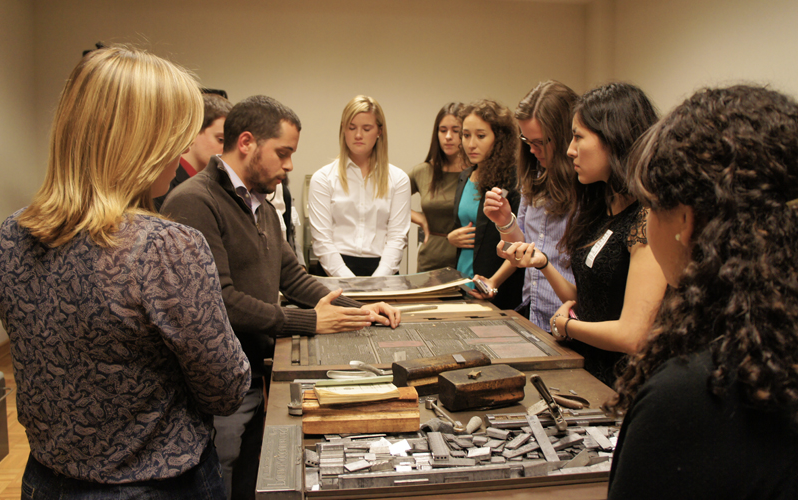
column 451, row 308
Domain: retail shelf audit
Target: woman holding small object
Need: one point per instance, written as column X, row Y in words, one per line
column 545, row 175
column 711, row 399
column 490, row 144
column 436, row 182
column 618, row 285
column 360, row 204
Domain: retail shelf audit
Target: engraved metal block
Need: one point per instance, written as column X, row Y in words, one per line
column 600, row 439
column 498, row 433
column 438, row 447
column 518, row 441
column 280, row 471
column 567, row 441
column 479, row 453
column 581, row 460
column 480, row 440
column 356, row 466
column 541, row 468
column 542, row 438
column 510, row 454
column 439, row 476
column 311, row 458
column 455, row 462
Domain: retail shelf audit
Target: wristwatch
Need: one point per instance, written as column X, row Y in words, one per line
column 554, row 330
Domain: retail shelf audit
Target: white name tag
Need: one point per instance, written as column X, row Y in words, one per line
column 597, row 248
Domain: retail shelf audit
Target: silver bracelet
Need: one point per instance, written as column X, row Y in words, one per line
column 554, row 330
column 503, row 229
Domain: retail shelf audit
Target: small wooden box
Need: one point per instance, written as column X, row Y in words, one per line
column 392, row 415
column 496, row 385
column 423, row 373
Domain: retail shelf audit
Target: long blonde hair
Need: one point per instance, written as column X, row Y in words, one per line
column 124, row 114
column 378, row 162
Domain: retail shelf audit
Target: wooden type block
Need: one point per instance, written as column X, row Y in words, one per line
column 498, row 385
column 422, row 373
column 396, row 415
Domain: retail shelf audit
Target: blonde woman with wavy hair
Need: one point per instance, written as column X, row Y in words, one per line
column 99, row 297
column 360, row 204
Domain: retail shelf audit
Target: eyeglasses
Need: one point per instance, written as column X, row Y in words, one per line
column 537, row 143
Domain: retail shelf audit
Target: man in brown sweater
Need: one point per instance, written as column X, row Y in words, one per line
column 227, row 203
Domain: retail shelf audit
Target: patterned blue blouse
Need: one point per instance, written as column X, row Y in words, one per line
column 121, row 355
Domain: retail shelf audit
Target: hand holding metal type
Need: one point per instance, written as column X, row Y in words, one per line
column 554, row 408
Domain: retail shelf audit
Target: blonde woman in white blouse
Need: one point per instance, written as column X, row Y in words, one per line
column 360, row 204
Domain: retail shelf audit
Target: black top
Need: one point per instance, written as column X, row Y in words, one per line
column 680, row 441
column 600, row 289
column 486, row 237
column 180, row 176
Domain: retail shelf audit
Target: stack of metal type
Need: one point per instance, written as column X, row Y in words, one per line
column 373, row 461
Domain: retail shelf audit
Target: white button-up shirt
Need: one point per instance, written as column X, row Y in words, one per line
column 357, row 224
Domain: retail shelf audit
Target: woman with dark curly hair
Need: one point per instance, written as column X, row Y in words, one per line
column 618, row 285
column 490, row 144
column 712, row 397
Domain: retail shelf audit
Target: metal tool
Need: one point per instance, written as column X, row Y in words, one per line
column 430, row 405
column 295, row 406
column 359, row 370
column 359, row 365
column 554, row 408
column 349, row 374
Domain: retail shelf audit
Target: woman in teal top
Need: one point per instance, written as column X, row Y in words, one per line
column 490, row 144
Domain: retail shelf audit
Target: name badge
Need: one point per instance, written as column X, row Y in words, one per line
column 597, row 248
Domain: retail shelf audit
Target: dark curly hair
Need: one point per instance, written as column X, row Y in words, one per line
column 731, row 155
column 618, row 113
column 498, row 170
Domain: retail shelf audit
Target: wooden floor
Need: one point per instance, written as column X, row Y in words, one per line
column 12, row 467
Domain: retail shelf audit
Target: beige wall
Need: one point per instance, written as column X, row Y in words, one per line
column 315, row 55
column 671, row 48
column 19, row 173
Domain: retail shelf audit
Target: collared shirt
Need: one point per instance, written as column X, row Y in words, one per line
column 357, row 224
column 545, row 231
column 252, row 199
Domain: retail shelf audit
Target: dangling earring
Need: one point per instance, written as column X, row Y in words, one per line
column 678, row 237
